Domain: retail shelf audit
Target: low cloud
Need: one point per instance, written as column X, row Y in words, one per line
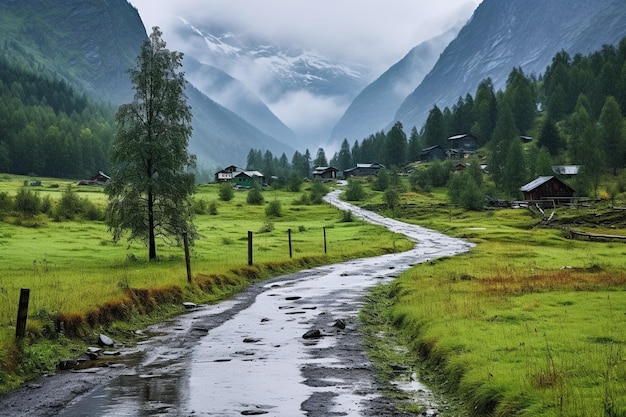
column 311, row 117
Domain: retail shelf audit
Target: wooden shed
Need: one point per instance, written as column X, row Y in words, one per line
column 545, row 188
column 324, row 173
column 362, row 170
column 432, row 153
column 463, row 144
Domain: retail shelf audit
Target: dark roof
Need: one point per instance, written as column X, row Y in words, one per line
column 535, row 183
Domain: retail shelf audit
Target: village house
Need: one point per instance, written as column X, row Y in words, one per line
column 324, row 173
column 362, row 170
column 547, row 188
column 432, row 153
column 227, row 174
column 99, row 179
column 462, row 145
column 247, row 179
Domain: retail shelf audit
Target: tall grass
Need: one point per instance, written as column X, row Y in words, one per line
column 529, row 323
column 76, row 274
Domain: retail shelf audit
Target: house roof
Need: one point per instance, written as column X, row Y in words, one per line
column 250, row 174
column 321, row 170
column 464, row 135
column 566, row 169
column 430, row 148
column 535, row 183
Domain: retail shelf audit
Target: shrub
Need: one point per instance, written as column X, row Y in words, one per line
column 318, row 191
column 464, row 191
column 6, row 204
column 200, row 206
column 70, row 204
column 347, row 216
column 213, row 208
column 294, row 183
column 226, row 192
column 392, row 198
column 273, row 209
column 381, row 182
column 27, row 202
column 267, row 227
column 255, row 197
column 355, row 191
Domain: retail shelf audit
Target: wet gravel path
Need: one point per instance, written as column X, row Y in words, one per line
column 248, row 356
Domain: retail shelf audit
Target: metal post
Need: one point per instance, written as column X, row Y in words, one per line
column 187, row 258
column 289, row 234
column 249, row 247
column 325, row 248
column 22, row 314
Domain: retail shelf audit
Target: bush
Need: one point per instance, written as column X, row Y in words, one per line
column 267, row 227
column 294, row 183
column 6, row 204
column 69, row 205
column 273, row 209
column 355, row 191
column 382, row 180
column 347, row 216
column 318, row 191
column 392, row 198
column 255, row 197
column 464, row 191
column 226, row 192
column 213, row 208
column 27, row 203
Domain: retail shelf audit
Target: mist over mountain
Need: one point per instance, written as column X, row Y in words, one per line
column 235, row 96
column 287, row 78
column 503, row 34
column 91, row 45
column 377, row 104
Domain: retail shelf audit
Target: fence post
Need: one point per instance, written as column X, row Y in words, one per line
column 325, row 248
column 22, row 314
column 187, row 258
column 249, row 247
column 289, row 234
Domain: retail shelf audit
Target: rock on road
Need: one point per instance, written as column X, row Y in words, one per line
column 248, row 356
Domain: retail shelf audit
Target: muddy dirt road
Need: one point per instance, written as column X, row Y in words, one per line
column 249, row 355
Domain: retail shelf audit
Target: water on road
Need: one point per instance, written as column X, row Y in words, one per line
column 248, row 356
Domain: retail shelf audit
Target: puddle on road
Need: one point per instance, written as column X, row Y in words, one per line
column 255, row 361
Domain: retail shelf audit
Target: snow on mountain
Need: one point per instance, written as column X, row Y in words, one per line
column 276, row 73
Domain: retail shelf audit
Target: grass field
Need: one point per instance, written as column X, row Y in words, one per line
column 530, row 322
column 77, row 275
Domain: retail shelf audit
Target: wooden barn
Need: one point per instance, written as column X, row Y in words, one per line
column 362, row 170
column 545, row 188
column 432, row 153
column 325, row 173
column 463, row 144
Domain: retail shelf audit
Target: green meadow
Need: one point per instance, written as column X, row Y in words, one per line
column 82, row 283
column 529, row 323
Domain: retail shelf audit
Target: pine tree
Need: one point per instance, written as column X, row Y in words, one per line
column 151, row 184
column 612, row 134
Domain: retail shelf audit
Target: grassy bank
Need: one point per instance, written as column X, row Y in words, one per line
column 529, row 323
column 82, row 283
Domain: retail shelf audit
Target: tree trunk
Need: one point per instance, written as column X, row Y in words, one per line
column 151, row 240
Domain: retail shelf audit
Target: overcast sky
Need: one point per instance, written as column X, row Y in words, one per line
column 374, row 32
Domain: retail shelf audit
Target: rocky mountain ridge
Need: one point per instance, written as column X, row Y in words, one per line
column 504, row 34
